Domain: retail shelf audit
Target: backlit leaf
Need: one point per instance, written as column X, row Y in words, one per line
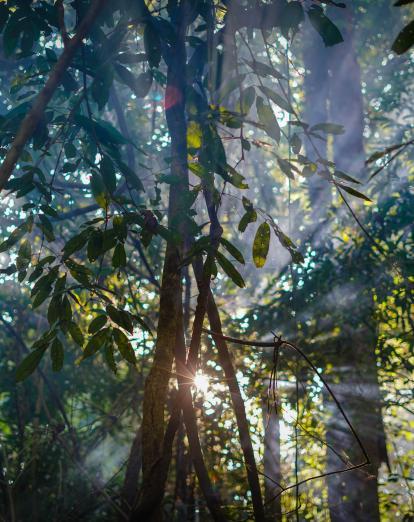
column 261, row 245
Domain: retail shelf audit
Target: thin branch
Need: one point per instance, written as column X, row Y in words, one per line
column 32, row 119
column 282, row 342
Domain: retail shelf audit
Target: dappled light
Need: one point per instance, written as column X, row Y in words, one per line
column 206, row 261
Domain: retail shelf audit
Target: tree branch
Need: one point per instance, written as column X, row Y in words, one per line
column 32, row 119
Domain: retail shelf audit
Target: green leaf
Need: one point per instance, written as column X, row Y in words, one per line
column 231, row 249
column 276, row 98
column 24, row 255
column 292, row 15
column 53, row 311
column 47, row 227
column 60, row 285
column 69, row 167
column 249, row 217
column 329, row 128
column 57, row 354
column 109, row 357
column 194, row 135
column 9, row 270
column 101, row 85
column 152, row 45
column 4, row 15
column 76, row 243
column 95, row 245
column 124, row 346
column 119, row 256
column 354, row 192
column 46, row 281
column 107, row 171
column 25, row 249
column 50, row 211
column 140, row 85
column 246, row 100
column 76, row 333
column 285, row 167
column 262, row 69
column 96, row 342
column 296, row 144
column 261, row 245
column 70, row 150
column 79, row 272
column 11, row 33
column 405, row 39
column 98, row 323
column 230, row 270
column 99, row 191
column 15, row 236
column 103, row 130
column 41, row 296
column 267, row 119
column 381, row 153
column 231, row 175
column 121, row 318
column 66, row 310
column 324, row 26
column 346, row 177
column 29, row 364
column 130, row 176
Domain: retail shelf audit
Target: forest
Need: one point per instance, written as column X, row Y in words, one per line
column 206, row 260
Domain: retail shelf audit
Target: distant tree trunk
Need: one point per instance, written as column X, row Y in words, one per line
column 346, row 106
column 333, row 93
column 316, row 86
column 353, row 495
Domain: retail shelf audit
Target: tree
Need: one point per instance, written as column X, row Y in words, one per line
column 202, row 60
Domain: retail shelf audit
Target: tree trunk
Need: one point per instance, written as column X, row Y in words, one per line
column 354, row 495
column 333, row 93
column 316, row 86
column 271, row 460
column 156, row 385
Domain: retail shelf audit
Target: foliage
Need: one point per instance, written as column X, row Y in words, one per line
column 88, row 225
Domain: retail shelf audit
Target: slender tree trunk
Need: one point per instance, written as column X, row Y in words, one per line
column 183, row 465
column 271, row 460
column 156, row 385
column 237, row 400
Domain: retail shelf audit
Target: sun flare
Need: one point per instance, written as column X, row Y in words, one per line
column 201, row 382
